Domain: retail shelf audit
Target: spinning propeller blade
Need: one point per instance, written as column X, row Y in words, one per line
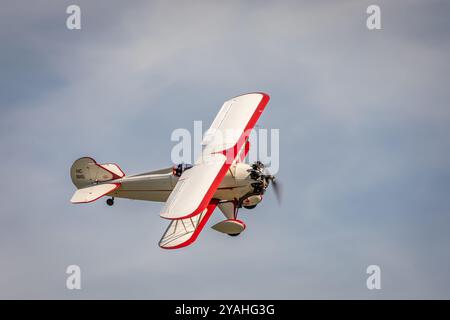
column 277, row 188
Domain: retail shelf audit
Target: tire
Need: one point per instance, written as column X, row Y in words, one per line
column 250, row 207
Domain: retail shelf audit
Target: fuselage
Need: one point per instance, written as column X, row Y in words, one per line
column 157, row 185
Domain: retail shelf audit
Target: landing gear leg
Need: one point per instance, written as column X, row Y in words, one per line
column 110, row 201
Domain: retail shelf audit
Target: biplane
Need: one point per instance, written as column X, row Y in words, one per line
column 218, row 178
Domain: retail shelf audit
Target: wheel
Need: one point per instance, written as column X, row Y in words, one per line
column 233, row 234
column 250, row 207
column 110, row 201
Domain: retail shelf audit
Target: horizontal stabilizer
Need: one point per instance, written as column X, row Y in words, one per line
column 92, row 193
column 114, row 169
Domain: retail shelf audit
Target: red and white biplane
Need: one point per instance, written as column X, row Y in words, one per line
column 218, row 178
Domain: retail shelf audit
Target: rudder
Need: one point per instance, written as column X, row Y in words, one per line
column 86, row 171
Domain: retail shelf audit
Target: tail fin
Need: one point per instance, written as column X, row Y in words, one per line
column 87, row 175
column 86, row 171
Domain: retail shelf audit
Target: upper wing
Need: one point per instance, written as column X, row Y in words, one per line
column 242, row 154
column 233, row 123
column 183, row 232
column 226, row 136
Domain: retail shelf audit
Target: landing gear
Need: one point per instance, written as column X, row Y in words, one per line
column 233, row 234
column 110, row 201
column 250, row 207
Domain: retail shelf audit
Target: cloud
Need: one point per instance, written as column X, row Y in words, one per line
column 363, row 124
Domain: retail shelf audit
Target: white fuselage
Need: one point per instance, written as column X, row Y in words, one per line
column 158, row 186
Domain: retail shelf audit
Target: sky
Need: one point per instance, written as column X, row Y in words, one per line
column 364, row 122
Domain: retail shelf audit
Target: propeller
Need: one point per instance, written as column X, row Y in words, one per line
column 259, row 171
column 277, row 189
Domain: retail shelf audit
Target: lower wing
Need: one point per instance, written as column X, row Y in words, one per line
column 183, row 232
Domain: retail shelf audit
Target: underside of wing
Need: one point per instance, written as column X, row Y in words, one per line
column 225, row 138
column 183, row 232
